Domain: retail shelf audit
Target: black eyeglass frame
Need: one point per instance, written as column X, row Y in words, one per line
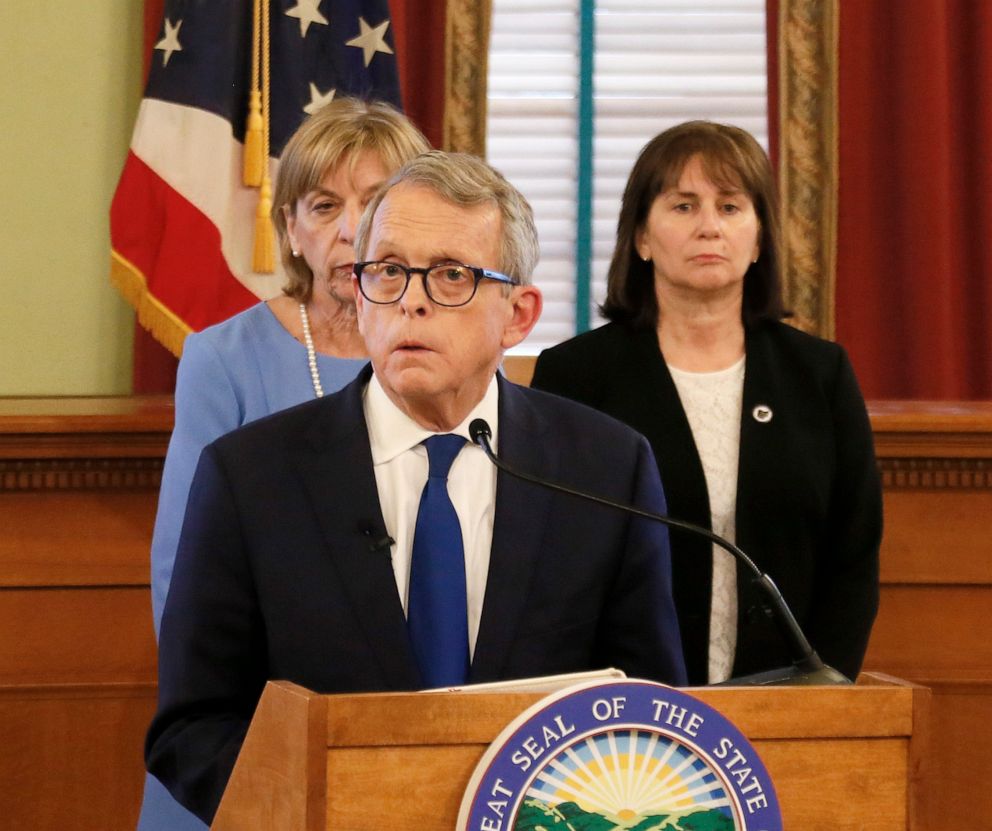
column 479, row 274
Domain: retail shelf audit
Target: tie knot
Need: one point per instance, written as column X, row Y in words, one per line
column 441, row 452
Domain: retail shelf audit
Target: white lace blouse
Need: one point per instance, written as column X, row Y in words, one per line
column 712, row 404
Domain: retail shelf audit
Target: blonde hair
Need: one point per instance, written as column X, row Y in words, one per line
column 467, row 180
column 336, row 134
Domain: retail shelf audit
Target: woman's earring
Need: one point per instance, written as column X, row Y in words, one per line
column 296, row 253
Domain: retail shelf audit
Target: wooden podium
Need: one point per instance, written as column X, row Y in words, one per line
column 840, row 757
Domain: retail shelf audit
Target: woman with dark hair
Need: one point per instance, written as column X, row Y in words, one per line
column 760, row 431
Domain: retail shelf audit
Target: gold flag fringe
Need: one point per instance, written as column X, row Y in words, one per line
column 163, row 325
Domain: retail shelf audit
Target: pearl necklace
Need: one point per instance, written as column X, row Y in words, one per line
column 311, row 352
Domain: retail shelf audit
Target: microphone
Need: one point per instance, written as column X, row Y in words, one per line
column 807, row 667
column 377, row 541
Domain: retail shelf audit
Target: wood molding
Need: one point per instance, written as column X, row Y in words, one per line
column 129, row 414
column 951, row 474
column 80, row 474
column 933, row 444
column 85, row 443
column 81, row 429
column 85, row 691
column 807, row 49
column 952, row 431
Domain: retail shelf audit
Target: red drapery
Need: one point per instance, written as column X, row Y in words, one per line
column 418, row 27
column 418, row 30
column 914, row 287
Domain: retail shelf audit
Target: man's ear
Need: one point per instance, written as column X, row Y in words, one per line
column 527, row 305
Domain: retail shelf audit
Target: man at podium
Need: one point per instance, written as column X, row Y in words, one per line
column 362, row 542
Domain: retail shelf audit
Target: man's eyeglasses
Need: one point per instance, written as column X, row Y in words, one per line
column 446, row 285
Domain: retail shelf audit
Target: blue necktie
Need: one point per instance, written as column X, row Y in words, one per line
column 436, row 612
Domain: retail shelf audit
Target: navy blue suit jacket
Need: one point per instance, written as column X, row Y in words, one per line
column 278, row 576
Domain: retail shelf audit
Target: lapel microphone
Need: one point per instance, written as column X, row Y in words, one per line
column 378, row 541
column 807, row 667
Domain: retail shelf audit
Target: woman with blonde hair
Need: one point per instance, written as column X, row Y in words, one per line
column 301, row 344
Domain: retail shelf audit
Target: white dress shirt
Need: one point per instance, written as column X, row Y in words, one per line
column 399, row 461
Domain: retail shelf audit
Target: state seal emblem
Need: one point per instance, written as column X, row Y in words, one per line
column 620, row 755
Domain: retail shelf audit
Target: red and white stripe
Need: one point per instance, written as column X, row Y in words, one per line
column 183, row 219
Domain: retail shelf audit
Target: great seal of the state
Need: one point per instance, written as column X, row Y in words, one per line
column 631, row 755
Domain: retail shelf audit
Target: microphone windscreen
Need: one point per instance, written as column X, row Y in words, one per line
column 479, row 428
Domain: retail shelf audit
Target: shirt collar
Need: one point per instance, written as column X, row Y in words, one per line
column 392, row 432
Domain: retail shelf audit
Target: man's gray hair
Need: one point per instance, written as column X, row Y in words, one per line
column 466, row 180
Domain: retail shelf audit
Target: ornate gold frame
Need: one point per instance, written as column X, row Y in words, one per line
column 466, row 66
column 807, row 49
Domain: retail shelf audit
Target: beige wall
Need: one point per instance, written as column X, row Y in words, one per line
column 70, row 83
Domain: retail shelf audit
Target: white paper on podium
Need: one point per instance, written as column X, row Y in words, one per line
column 540, row 684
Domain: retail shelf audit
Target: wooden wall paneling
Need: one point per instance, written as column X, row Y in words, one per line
column 935, row 535
column 78, row 635
column 935, row 460
column 78, row 486
column 75, row 537
column 72, row 756
column 519, row 368
column 933, row 634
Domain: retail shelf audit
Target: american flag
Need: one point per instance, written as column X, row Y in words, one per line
column 181, row 219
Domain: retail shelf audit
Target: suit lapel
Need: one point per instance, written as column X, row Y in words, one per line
column 521, row 513
column 334, row 461
column 763, row 419
column 663, row 422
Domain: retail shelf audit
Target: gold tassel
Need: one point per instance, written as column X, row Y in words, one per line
column 256, row 166
column 263, row 253
column 254, row 163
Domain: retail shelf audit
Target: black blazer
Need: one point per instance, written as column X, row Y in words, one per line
column 276, row 578
column 809, row 505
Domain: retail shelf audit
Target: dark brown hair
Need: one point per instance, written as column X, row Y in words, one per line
column 731, row 158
